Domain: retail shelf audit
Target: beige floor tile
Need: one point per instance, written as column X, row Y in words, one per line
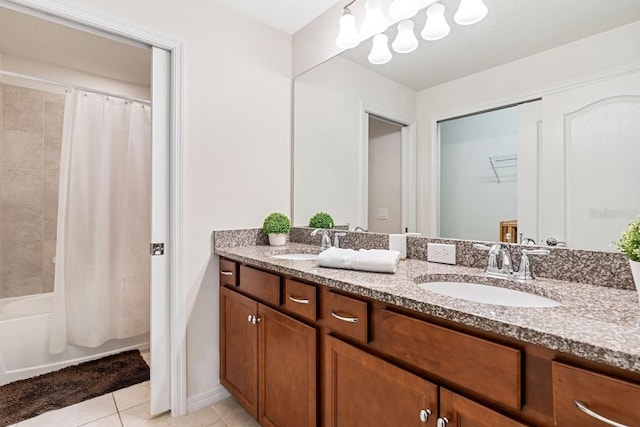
column 146, row 355
column 75, row 415
column 110, row 421
column 139, row 417
column 132, row 396
column 233, row 414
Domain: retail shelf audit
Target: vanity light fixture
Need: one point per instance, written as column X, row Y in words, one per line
column 375, row 23
column 380, row 53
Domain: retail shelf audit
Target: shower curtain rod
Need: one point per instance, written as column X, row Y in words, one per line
column 70, row 86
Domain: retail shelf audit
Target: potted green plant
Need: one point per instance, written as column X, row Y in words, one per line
column 276, row 226
column 629, row 244
column 321, row 220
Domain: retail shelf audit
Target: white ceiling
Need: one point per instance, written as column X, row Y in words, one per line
column 512, row 29
column 285, row 15
column 37, row 39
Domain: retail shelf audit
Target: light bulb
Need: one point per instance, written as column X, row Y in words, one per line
column 374, row 21
column 470, row 11
column 406, row 40
column 380, row 53
column 348, row 36
column 404, row 9
column 436, row 26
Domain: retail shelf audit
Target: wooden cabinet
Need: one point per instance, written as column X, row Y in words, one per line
column 457, row 411
column 583, row 398
column 381, row 365
column 287, row 371
column 363, row 390
column 346, row 315
column 449, row 354
column 268, row 361
column 239, row 348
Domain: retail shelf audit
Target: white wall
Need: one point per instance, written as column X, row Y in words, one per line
column 329, row 102
column 58, row 74
column 472, row 201
column 526, row 78
column 236, row 144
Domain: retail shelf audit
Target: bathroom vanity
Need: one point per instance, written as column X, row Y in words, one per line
column 302, row 345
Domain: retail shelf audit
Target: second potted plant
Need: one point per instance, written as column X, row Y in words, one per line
column 629, row 244
column 276, row 226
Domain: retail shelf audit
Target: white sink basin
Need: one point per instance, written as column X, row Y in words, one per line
column 296, row 257
column 488, row 294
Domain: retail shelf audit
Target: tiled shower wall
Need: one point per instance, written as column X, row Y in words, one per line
column 29, row 169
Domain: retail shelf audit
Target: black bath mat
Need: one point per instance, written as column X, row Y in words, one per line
column 25, row 399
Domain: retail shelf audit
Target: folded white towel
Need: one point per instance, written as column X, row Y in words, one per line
column 376, row 260
column 336, row 258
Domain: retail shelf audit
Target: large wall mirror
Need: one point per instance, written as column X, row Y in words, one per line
column 526, row 125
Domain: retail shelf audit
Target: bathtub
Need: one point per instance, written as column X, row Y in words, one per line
column 24, row 340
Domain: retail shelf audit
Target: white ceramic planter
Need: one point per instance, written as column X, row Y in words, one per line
column 635, row 272
column 277, row 239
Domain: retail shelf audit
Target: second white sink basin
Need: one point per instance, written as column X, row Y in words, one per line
column 296, row 257
column 488, row 294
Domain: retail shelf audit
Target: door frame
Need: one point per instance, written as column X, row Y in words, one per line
column 94, row 19
column 409, row 180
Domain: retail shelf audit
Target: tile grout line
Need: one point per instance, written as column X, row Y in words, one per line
column 117, row 409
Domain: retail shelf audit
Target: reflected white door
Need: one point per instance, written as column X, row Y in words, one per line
column 160, row 284
column 589, row 169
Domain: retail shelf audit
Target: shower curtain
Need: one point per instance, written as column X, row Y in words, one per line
column 101, row 288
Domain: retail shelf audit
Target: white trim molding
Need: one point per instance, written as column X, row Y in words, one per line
column 95, row 20
column 199, row 401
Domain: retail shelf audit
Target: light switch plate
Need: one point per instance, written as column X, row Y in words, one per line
column 383, row 213
column 444, row 254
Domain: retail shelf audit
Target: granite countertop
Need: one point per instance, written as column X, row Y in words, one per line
column 594, row 322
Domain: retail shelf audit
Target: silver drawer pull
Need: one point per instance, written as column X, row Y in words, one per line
column 344, row 319
column 299, row 300
column 584, row 408
column 227, row 273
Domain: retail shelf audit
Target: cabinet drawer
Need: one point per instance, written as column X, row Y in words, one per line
column 607, row 397
column 300, row 298
column 346, row 315
column 490, row 369
column 262, row 285
column 228, row 273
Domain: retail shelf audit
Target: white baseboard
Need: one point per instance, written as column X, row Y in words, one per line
column 199, row 401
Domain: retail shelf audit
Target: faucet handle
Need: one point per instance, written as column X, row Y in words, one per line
column 524, row 272
column 494, row 250
column 536, row 252
column 336, row 239
column 481, row 247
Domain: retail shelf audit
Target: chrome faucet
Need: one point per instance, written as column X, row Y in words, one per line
column 358, row 228
column 505, row 267
column 336, row 239
column 326, row 238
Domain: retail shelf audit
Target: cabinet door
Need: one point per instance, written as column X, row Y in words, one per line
column 363, row 390
column 287, row 371
column 239, row 348
column 462, row 412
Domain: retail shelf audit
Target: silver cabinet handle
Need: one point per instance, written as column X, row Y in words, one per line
column 253, row 319
column 299, row 300
column 250, row 318
column 227, row 273
column 584, row 408
column 442, row 422
column 344, row 319
column 424, row 415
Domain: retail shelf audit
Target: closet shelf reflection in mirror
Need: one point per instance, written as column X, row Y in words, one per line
column 496, row 162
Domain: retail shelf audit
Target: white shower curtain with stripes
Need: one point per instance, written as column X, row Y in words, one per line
column 101, row 289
